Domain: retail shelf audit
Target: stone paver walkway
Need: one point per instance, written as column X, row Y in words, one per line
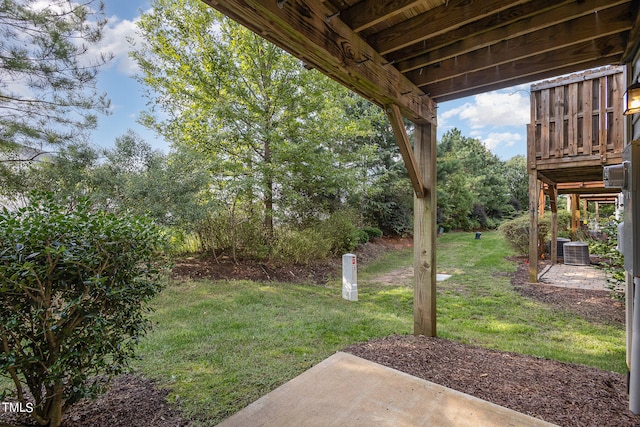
column 574, row 276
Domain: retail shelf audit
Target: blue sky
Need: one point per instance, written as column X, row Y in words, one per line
column 498, row 119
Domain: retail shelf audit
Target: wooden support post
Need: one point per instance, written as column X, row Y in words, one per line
column 575, row 212
column 534, row 190
column 553, row 200
column 542, row 202
column 424, row 234
column 585, row 206
column 533, row 200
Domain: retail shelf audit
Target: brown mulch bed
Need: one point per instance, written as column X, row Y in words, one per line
column 565, row 394
column 595, row 306
column 131, row 401
column 223, row 268
column 560, row 393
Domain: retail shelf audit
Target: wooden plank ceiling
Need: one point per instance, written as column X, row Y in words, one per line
column 415, row 53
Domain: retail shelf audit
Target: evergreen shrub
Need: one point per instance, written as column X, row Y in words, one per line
column 74, row 287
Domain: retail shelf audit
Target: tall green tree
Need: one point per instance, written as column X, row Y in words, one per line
column 518, row 182
column 48, row 94
column 472, row 188
column 277, row 135
column 386, row 198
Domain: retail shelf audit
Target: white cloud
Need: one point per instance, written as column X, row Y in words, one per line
column 117, row 37
column 500, row 139
column 500, row 108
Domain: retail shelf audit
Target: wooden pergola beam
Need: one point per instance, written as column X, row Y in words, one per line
column 553, row 204
column 309, row 30
column 534, row 190
column 397, row 124
column 575, row 212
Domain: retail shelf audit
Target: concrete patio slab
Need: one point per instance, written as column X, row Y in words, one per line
column 574, row 276
column 348, row 391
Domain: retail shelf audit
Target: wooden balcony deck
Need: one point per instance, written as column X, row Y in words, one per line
column 576, row 126
column 576, row 129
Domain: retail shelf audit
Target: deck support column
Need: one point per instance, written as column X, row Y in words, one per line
column 541, row 202
column 534, row 191
column 424, row 234
column 575, row 212
column 553, row 201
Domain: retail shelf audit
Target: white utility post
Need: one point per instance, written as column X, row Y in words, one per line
column 349, row 277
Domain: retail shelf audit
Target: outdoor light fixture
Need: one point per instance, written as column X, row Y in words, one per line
column 632, row 99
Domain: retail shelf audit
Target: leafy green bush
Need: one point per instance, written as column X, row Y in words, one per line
column 340, row 231
column 362, row 236
column 300, row 246
column 74, row 283
column 235, row 232
column 372, row 232
column 614, row 264
column 564, row 220
column 391, row 210
column 516, row 232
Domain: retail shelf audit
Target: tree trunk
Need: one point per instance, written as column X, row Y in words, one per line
column 51, row 414
column 268, row 192
column 55, row 412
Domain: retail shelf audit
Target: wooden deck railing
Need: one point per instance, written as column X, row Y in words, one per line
column 579, row 116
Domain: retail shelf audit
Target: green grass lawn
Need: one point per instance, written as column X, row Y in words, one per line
column 478, row 306
column 221, row 345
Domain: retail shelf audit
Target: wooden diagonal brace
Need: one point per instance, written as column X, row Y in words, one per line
column 395, row 117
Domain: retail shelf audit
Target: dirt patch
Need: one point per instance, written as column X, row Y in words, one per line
column 225, row 269
column 399, row 277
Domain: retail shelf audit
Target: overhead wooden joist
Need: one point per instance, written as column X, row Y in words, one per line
column 366, row 14
column 314, row 33
column 451, row 61
column 458, row 42
column 447, row 49
column 586, row 188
